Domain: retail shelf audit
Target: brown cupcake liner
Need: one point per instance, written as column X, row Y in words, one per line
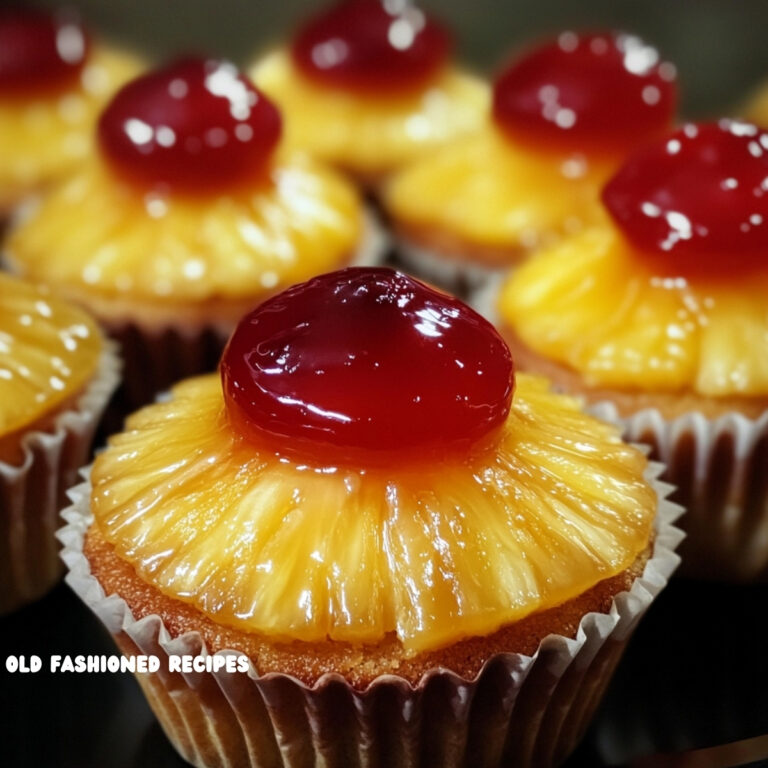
column 33, row 492
column 155, row 359
column 519, row 710
column 720, row 469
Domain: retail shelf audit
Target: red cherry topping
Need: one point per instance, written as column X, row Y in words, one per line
column 38, row 51
column 604, row 91
column 697, row 200
column 367, row 360
column 371, row 45
column 194, row 125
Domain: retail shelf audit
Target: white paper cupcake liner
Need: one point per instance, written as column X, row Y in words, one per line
column 720, row 469
column 484, row 298
column 376, row 241
column 33, row 492
column 519, row 710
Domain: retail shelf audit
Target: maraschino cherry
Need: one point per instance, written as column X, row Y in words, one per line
column 697, row 201
column 364, row 364
column 194, row 125
column 595, row 92
column 38, row 51
column 376, row 46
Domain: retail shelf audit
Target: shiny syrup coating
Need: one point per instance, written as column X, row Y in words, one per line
column 372, row 46
column 603, row 91
column 365, row 364
column 39, row 51
column 696, row 202
column 193, row 125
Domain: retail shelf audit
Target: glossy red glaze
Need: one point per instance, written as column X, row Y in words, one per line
column 697, row 201
column 371, row 45
column 193, row 125
column 602, row 91
column 39, row 51
column 366, row 363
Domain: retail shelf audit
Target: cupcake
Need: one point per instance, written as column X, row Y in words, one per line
column 191, row 212
column 369, row 85
column 56, row 374
column 660, row 316
column 53, row 82
column 409, row 555
column 564, row 114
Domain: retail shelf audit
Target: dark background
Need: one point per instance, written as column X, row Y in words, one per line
column 696, row 673
column 720, row 46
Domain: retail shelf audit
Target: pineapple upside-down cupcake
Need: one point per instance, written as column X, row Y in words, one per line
column 56, row 375
column 564, row 115
column 420, row 558
column 369, row 85
column 661, row 316
column 53, row 82
column 190, row 213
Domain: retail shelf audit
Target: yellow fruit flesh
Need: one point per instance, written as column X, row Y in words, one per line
column 595, row 305
column 48, row 353
column 756, row 108
column 44, row 137
column 106, row 237
column 374, row 134
column 435, row 554
column 489, row 191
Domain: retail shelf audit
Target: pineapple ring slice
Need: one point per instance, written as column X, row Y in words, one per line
column 49, row 351
column 434, row 554
column 371, row 134
column 591, row 304
column 99, row 236
column 489, row 191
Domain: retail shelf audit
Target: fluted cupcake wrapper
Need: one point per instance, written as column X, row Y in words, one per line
column 720, row 469
column 519, row 710
column 33, row 492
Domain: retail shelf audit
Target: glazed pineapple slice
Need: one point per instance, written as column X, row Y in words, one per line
column 588, row 303
column 233, row 245
column 48, row 352
column 434, row 555
column 734, row 339
column 492, row 193
column 593, row 304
